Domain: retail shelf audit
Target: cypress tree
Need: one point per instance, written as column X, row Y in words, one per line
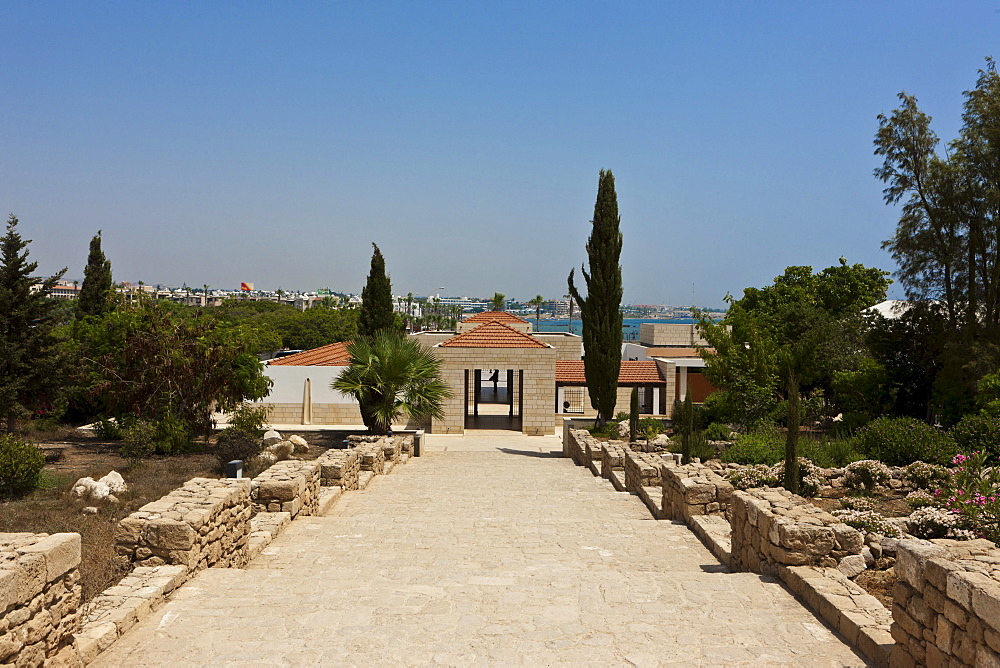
column 97, row 293
column 376, row 299
column 600, row 311
column 30, row 355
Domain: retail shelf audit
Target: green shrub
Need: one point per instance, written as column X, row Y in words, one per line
column 139, row 438
column 698, row 446
column 978, row 432
column 621, row 416
column 830, row 452
column 718, row 432
column 648, row 425
column 251, row 419
column 234, row 443
column 20, row 464
column 764, row 447
column 899, row 441
column 107, row 429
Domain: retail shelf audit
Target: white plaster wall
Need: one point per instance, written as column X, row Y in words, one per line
column 289, row 384
column 633, row 351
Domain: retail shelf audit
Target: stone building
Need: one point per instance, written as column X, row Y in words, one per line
column 502, row 376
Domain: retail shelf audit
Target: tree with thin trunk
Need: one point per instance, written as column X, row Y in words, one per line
column 30, row 356
column 498, row 301
column 600, row 311
column 97, row 293
column 537, row 303
column 376, row 299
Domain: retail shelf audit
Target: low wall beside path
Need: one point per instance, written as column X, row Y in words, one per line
column 766, row 531
column 39, row 598
column 290, row 486
column 946, row 609
column 203, row 523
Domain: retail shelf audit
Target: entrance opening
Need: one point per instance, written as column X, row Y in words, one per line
column 493, row 398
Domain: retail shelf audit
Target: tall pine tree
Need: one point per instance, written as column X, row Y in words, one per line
column 600, row 311
column 97, row 293
column 376, row 299
column 30, row 356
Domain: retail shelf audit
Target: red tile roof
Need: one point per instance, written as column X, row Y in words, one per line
column 494, row 316
column 632, row 372
column 334, row 354
column 493, row 335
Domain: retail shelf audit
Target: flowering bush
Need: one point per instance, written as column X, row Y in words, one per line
column 973, row 493
column 920, row 498
column 925, row 476
column 809, row 478
column 900, row 441
column 754, row 475
column 868, row 521
column 866, row 474
column 859, row 503
column 937, row 523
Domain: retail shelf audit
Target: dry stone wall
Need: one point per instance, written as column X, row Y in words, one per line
column 772, row 527
column 946, row 608
column 372, row 457
column 290, row 486
column 612, row 458
column 39, row 598
column 203, row 523
column 642, row 469
column 340, row 468
column 694, row 490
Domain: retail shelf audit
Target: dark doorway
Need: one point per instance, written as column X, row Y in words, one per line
column 493, row 398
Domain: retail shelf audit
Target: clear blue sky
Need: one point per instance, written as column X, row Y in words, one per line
column 272, row 142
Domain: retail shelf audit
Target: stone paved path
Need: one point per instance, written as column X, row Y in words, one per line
column 492, row 550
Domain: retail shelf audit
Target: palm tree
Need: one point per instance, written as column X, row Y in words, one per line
column 498, row 301
column 392, row 376
column 537, row 303
column 205, row 288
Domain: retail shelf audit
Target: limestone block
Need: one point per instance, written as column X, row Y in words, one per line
column 852, row 565
column 61, row 552
column 801, row 537
column 986, row 602
column 912, row 556
column 271, row 437
column 168, row 534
